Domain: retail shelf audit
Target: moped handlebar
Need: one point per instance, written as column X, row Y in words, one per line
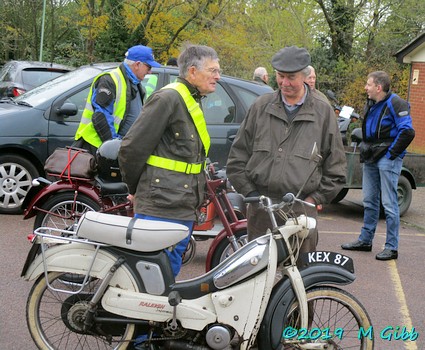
column 287, row 199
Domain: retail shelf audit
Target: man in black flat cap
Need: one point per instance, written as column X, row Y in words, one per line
column 271, row 152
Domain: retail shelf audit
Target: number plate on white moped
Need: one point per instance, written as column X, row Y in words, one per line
column 331, row 258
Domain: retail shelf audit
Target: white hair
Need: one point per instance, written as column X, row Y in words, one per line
column 260, row 72
column 129, row 62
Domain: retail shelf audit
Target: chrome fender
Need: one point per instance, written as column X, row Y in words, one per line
column 283, row 296
column 78, row 258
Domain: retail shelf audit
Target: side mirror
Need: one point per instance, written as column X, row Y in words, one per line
column 356, row 135
column 331, row 95
column 68, row 109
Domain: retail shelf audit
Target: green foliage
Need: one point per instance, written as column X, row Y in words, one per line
column 114, row 41
column 347, row 39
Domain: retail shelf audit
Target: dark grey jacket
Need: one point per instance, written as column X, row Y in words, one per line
column 164, row 128
column 271, row 155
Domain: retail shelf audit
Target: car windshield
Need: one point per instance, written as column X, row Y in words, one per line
column 57, row 86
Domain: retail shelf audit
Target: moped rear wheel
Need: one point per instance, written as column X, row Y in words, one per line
column 224, row 248
column 63, row 212
column 335, row 317
column 56, row 319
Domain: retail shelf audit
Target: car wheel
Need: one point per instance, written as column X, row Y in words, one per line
column 16, row 175
column 404, row 194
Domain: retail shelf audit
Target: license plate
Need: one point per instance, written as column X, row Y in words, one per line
column 330, row 258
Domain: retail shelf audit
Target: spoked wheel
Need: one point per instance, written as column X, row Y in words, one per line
column 224, row 248
column 56, row 319
column 63, row 212
column 336, row 318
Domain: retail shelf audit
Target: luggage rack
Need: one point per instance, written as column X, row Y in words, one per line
column 45, row 236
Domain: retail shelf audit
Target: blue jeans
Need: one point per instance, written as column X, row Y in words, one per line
column 380, row 180
column 176, row 254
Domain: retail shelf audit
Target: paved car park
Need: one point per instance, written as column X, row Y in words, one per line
column 391, row 291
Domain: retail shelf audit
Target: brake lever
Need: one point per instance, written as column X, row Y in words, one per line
column 290, row 198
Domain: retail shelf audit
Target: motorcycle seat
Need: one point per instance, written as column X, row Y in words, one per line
column 112, row 188
column 130, row 233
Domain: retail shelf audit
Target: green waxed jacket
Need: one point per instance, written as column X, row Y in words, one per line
column 165, row 129
column 271, row 155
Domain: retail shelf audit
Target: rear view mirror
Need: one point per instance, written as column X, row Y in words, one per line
column 331, row 95
column 356, row 135
column 316, row 158
column 315, row 155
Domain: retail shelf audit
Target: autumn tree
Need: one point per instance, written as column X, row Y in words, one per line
column 165, row 24
column 114, row 41
column 93, row 21
column 21, row 24
column 346, row 38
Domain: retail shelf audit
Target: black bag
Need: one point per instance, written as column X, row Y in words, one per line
column 71, row 162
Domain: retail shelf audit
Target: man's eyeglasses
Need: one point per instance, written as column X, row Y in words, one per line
column 147, row 65
column 214, row 71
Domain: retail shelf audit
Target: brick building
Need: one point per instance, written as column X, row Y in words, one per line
column 414, row 54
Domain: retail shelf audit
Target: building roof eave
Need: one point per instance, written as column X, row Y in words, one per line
column 406, row 50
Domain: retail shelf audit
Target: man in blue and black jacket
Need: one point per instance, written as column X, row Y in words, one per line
column 115, row 100
column 387, row 132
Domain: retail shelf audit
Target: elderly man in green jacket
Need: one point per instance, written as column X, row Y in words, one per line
column 271, row 152
column 162, row 157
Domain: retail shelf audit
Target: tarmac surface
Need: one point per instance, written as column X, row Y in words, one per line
column 391, row 291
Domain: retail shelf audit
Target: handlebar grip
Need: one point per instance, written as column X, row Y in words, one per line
column 288, row 198
column 255, row 199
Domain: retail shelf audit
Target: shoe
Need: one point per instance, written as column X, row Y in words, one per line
column 357, row 245
column 387, row 254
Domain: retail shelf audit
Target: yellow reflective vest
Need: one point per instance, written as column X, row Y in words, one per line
column 197, row 115
column 86, row 128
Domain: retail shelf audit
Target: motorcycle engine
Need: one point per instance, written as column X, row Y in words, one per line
column 218, row 337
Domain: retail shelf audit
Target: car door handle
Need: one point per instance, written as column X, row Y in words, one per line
column 231, row 137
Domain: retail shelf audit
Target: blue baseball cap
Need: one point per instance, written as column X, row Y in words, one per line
column 143, row 54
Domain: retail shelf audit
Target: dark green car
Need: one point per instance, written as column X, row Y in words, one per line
column 34, row 124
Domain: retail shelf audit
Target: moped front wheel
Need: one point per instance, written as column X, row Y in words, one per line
column 335, row 318
column 224, row 248
column 61, row 211
column 56, row 318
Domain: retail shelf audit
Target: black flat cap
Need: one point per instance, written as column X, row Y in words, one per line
column 291, row 59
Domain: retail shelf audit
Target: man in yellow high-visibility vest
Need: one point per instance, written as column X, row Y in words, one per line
column 115, row 100
column 162, row 157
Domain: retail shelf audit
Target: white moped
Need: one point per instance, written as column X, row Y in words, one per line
column 124, row 290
